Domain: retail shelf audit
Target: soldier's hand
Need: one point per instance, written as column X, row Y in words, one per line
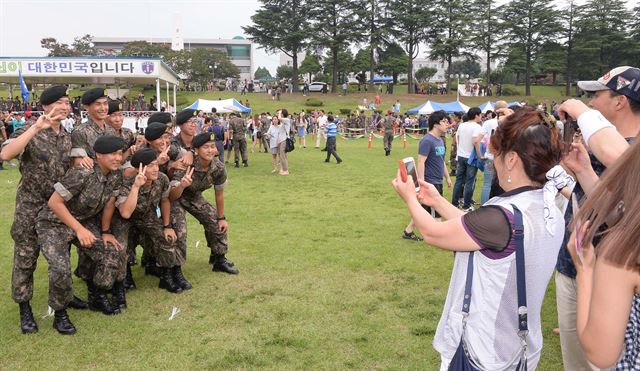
column 186, row 180
column 44, row 122
column 223, row 226
column 85, row 237
column 109, row 239
column 86, row 162
column 58, row 113
column 141, row 177
column 187, row 159
column 163, row 157
column 170, row 235
column 178, row 164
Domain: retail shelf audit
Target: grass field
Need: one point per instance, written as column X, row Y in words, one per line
column 325, row 282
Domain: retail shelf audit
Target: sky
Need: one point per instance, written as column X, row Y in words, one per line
column 23, row 23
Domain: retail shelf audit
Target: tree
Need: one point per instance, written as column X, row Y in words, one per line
column 425, row 74
column 486, row 31
column 344, row 65
column 141, row 48
column 310, row 65
column 529, row 24
column 552, row 59
column 262, row 73
column 81, row 47
column 282, row 25
column 466, row 67
column 374, row 28
column 569, row 18
column 393, row 61
column 408, row 25
column 515, row 63
column 334, row 28
column 284, row 72
column 451, row 15
column 208, row 64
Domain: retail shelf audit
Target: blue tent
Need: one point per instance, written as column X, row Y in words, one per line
column 488, row 106
column 453, row 107
column 377, row 78
column 426, row 108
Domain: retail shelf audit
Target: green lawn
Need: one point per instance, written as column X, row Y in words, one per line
column 326, row 282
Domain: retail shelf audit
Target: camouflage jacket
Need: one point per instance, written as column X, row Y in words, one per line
column 236, row 125
column 43, row 162
column 215, row 176
column 148, row 198
column 85, row 192
column 84, row 136
column 128, row 137
column 388, row 123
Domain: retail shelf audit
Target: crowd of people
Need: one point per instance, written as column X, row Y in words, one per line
column 547, row 205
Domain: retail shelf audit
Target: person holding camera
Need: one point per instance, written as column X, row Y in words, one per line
column 484, row 321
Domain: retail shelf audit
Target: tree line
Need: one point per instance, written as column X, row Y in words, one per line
column 532, row 39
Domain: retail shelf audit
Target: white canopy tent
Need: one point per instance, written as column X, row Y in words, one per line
column 221, row 106
column 91, row 70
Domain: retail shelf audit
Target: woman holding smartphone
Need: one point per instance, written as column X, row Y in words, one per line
column 483, row 322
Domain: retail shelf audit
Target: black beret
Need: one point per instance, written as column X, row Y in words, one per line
column 184, row 115
column 155, row 130
column 52, row 94
column 200, row 139
column 114, row 106
column 108, row 144
column 163, row 117
column 93, row 95
column 144, row 156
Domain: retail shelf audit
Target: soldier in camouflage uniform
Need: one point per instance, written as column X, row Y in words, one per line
column 43, row 148
column 208, row 172
column 264, row 128
column 115, row 120
column 236, row 126
column 74, row 216
column 153, row 198
column 388, row 132
column 84, row 135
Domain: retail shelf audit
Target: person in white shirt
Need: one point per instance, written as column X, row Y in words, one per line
column 322, row 128
column 468, row 137
column 488, row 128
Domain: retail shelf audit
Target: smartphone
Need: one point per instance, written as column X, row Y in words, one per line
column 408, row 167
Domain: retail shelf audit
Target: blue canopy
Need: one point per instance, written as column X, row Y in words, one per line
column 488, row 106
column 377, row 78
column 426, row 108
column 453, row 107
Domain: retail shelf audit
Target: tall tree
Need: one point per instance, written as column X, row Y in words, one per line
column 425, row 74
column 282, row 25
column 486, row 31
column 208, row 64
column 410, row 20
column 552, row 60
column 344, row 66
column 333, row 28
column 310, row 65
column 466, row 67
column 393, row 61
column 452, row 38
column 569, row 18
column 529, row 24
column 602, row 38
column 81, row 47
column 374, row 25
column 262, row 73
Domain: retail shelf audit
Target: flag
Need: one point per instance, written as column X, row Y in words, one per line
column 23, row 88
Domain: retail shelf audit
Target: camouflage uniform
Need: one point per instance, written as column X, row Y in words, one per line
column 388, row 132
column 239, row 140
column 85, row 193
column 194, row 202
column 264, row 128
column 128, row 137
column 43, row 162
column 84, row 136
column 146, row 218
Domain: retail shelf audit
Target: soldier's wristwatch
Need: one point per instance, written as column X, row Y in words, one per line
column 108, row 231
column 222, row 218
column 168, row 226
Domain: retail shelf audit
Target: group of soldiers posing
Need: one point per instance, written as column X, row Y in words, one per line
column 105, row 191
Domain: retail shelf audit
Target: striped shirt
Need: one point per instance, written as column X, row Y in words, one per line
column 332, row 129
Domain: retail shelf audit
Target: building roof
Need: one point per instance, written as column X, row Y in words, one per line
column 165, row 40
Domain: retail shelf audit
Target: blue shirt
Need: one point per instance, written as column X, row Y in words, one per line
column 433, row 148
column 332, row 129
column 218, row 131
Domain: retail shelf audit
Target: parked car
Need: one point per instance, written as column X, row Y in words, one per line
column 317, row 87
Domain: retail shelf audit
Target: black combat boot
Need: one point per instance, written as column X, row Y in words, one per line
column 179, row 279
column 28, row 325
column 151, row 268
column 221, row 264
column 167, row 282
column 129, row 283
column 62, row 324
column 77, row 303
column 212, row 260
column 119, row 298
column 245, row 163
column 99, row 302
column 236, row 164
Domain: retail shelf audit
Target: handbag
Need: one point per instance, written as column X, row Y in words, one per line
column 290, row 145
column 462, row 359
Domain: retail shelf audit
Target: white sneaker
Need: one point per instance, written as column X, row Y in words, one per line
column 469, row 209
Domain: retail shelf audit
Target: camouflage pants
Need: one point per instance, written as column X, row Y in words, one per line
column 206, row 214
column 179, row 223
column 100, row 262
column 453, row 159
column 26, row 249
column 240, row 145
column 165, row 252
column 388, row 138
